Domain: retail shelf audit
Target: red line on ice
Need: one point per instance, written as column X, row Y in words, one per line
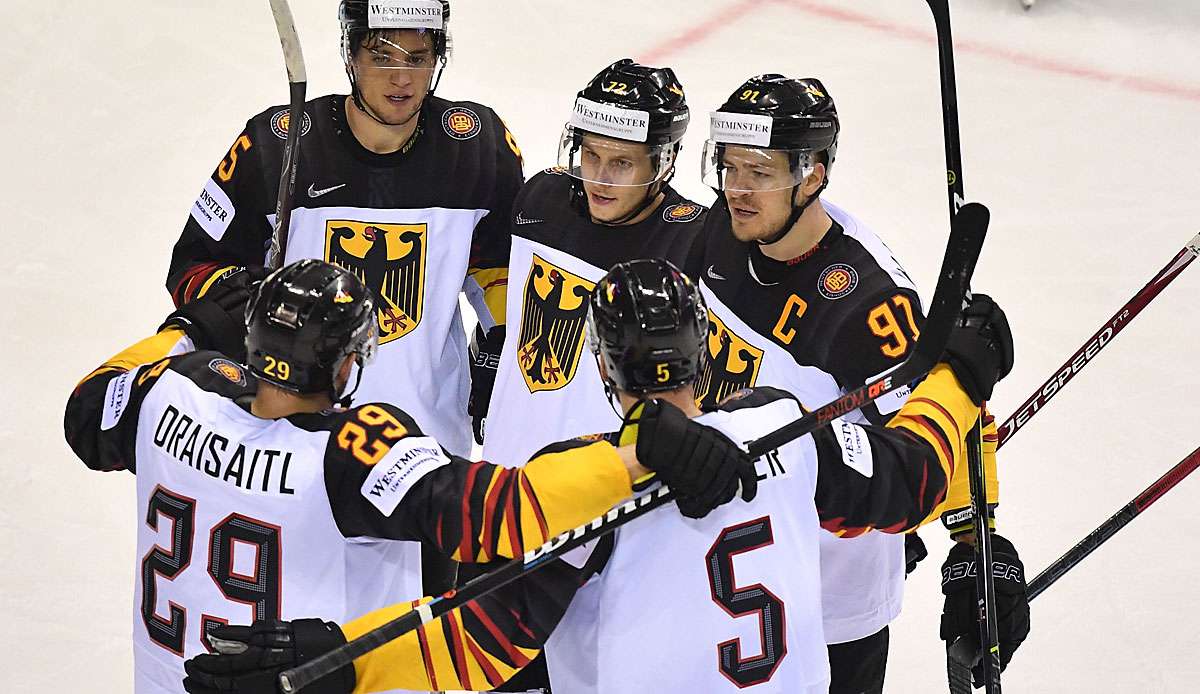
column 698, row 32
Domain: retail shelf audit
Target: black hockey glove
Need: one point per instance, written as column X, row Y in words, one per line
column 217, row 320
column 960, row 616
column 251, row 658
column 704, row 467
column 980, row 349
column 914, row 552
column 485, row 360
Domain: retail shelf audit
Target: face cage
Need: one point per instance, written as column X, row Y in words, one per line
column 570, row 152
column 713, row 169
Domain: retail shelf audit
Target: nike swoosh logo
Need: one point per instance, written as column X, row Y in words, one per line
column 522, row 219
column 713, row 274
column 314, row 193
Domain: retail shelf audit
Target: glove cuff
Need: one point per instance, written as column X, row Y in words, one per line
column 315, row 637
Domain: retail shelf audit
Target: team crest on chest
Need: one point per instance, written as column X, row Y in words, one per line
column 281, row 120
column 837, row 281
column 461, row 123
column 390, row 260
column 553, row 318
column 732, row 366
column 683, row 212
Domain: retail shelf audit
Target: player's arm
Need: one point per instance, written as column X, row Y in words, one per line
column 101, row 416
column 227, row 225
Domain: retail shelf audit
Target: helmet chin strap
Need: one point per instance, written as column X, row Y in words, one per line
column 797, row 212
column 345, row 400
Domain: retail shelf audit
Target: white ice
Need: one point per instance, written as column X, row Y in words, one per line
column 1079, row 127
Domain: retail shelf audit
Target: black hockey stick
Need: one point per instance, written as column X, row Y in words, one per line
column 1083, row 356
column 293, row 58
column 985, row 584
column 962, row 252
column 1110, row 527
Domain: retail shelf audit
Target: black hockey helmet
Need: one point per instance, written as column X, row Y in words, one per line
column 303, row 321
column 648, row 324
column 362, row 19
column 628, row 102
column 773, row 113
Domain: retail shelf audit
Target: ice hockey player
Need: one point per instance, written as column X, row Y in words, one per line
column 805, row 297
column 657, row 607
column 262, row 501
column 410, row 191
column 608, row 201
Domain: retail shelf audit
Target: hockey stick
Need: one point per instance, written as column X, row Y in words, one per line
column 985, row 584
column 1119, row 520
column 1083, row 356
column 962, row 252
column 293, row 58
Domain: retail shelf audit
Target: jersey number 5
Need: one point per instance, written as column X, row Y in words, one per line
column 260, row 589
column 737, row 602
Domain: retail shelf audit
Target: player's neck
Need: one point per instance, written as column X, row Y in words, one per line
column 684, row 398
column 645, row 214
column 805, row 234
column 275, row 403
column 375, row 136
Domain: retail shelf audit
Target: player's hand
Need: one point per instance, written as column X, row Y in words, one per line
column 249, row 659
column 704, row 467
column 960, row 614
column 485, row 360
column 980, row 350
column 217, row 320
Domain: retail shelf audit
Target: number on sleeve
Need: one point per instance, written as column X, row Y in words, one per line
column 883, row 323
column 749, row 600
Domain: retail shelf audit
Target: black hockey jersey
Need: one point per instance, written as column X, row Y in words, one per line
column 418, row 226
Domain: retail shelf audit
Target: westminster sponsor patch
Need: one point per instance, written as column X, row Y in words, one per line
column 213, row 210
column 405, row 14
column 116, row 399
column 408, row 461
column 281, row 121
column 856, row 447
column 837, row 281
column 683, row 212
column 461, row 123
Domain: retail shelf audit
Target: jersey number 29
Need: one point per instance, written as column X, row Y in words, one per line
column 259, row 590
column 748, row 600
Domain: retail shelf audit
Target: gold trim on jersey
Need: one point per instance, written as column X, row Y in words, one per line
column 733, row 364
column 553, row 318
column 390, row 260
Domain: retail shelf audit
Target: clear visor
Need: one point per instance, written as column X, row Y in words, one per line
column 745, row 169
column 611, row 162
column 390, row 55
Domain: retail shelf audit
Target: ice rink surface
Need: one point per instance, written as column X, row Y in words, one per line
column 1079, row 130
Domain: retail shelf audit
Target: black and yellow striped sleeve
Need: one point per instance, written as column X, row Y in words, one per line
column 99, row 422
column 477, row 511
column 894, row 478
column 955, row 511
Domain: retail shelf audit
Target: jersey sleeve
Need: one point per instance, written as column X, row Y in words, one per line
column 894, row 478
column 875, row 336
column 956, row 511
column 227, row 227
column 486, row 283
column 100, row 422
column 476, row 647
column 387, row 480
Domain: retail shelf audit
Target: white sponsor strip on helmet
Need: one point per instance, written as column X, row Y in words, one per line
column 404, row 14
column 609, row 120
column 740, row 128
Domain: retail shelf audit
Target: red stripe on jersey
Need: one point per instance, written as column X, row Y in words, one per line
column 496, row 283
column 456, row 652
column 511, row 512
column 939, row 408
column 936, row 431
column 517, row 658
column 426, row 656
column 183, row 291
column 489, row 671
column 500, row 478
column 521, row 625
column 465, row 542
column 537, row 506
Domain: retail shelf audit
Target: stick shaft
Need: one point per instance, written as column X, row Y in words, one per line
column 1098, row 341
column 293, row 58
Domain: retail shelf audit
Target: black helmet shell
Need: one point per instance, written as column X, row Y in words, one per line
column 648, row 325
column 803, row 115
column 303, row 321
column 655, row 90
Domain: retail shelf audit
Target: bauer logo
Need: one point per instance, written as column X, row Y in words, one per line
column 612, row 121
column 683, row 212
column 740, row 128
column 213, row 210
column 281, row 121
column 837, row 281
column 407, row 461
column 461, row 123
column 405, row 14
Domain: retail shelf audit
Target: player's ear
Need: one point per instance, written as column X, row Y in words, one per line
column 343, row 373
column 813, row 183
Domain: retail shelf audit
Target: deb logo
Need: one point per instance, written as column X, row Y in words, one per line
column 683, row 212
column 390, row 260
column 461, row 123
column 837, row 281
column 232, row 372
column 732, row 365
column 553, row 318
column 281, row 120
